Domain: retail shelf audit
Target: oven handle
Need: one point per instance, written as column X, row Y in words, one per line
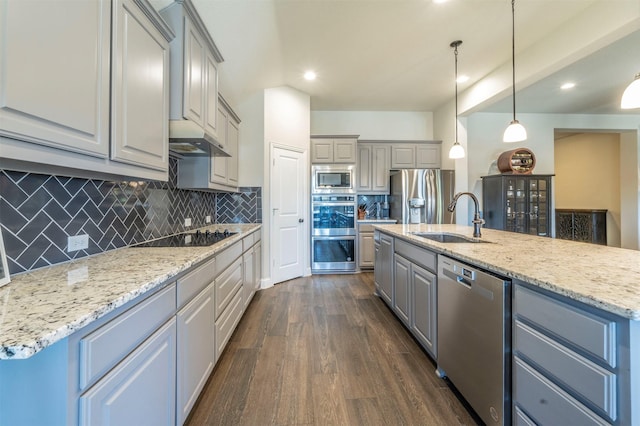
column 335, row 237
column 325, row 204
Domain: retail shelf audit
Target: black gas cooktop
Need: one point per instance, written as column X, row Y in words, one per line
column 189, row 239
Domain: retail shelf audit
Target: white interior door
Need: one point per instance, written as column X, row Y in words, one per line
column 288, row 211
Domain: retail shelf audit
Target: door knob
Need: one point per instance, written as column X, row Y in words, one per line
column 300, row 220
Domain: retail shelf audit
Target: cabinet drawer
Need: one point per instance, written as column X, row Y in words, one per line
column 545, row 402
column 227, row 285
column 584, row 377
column 248, row 242
column 227, row 323
column 592, row 333
column 106, row 346
column 422, row 257
column 192, row 283
column 365, row 227
column 227, row 257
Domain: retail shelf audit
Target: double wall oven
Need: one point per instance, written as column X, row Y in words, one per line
column 333, row 229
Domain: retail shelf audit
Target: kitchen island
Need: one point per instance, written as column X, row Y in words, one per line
column 572, row 317
column 82, row 340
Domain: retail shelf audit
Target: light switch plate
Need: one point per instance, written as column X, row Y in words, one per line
column 207, row 219
column 77, row 242
column 187, row 221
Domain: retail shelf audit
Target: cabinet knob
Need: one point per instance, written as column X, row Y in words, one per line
column 300, row 220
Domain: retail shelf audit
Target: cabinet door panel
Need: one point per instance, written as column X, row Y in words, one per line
column 380, row 169
column 54, row 63
column 140, row 89
column 344, row 151
column 140, row 390
column 364, row 168
column 401, row 267
column 195, row 353
column 232, row 148
column 218, row 172
column 194, row 74
column 383, row 272
column 428, row 156
column 366, row 252
column 322, row 151
column 424, row 316
column 211, row 96
column 403, row 157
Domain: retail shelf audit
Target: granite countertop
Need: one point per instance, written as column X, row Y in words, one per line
column 44, row 306
column 374, row 220
column 607, row 278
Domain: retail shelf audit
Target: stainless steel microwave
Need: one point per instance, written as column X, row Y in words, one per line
column 333, row 179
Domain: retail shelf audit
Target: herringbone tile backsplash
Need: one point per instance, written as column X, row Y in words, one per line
column 39, row 212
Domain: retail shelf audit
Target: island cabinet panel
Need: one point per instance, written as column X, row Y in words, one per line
column 383, row 271
column 567, row 368
column 424, row 319
column 401, row 289
column 140, row 390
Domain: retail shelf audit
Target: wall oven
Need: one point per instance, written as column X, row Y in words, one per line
column 333, row 179
column 333, row 233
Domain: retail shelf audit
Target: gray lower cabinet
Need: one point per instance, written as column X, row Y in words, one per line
column 566, row 366
column 251, row 261
column 383, row 272
column 142, row 364
column 140, row 390
column 415, row 285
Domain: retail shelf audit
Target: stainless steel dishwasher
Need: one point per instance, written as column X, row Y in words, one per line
column 474, row 337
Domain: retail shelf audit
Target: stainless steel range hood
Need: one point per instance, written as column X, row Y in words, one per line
column 188, row 138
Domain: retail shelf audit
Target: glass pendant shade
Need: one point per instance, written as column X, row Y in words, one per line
column 631, row 95
column 456, row 151
column 515, row 132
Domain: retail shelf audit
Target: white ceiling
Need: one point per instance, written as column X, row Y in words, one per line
column 394, row 55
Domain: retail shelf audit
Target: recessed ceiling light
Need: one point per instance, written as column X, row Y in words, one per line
column 309, row 75
column 567, row 86
column 462, row 78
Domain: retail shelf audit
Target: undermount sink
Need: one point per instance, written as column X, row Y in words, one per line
column 446, row 237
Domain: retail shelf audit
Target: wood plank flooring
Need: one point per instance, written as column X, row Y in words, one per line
column 324, row 350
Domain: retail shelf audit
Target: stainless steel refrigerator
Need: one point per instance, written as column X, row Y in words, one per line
column 421, row 195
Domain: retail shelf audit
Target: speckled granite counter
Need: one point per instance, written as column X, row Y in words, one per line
column 607, row 278
column 42, row 307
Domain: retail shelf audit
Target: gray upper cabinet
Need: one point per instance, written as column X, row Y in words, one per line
column 54, row 89
column 215, row 173
column 194, row 68
column 373, row 168
column 333, row 149
column 63, row 84
column 140, row 89
column 424, row 155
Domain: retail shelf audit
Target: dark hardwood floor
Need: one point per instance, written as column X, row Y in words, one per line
column 323, row 350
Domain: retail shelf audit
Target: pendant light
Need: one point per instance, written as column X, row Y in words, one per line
column 516, row 131
column 631, row 95
column 456, row 151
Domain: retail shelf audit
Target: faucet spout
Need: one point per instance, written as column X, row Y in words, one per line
column 477, row 222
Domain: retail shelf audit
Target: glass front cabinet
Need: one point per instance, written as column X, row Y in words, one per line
column 518, row 203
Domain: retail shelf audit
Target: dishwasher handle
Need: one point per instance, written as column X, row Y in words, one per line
column 467, row 279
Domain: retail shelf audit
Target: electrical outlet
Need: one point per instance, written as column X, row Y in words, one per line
column 207, row 219
column 77, row 242
column 187, row 221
